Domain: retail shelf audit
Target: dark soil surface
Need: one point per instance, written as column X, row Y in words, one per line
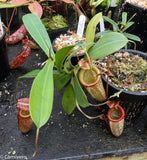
column 63, row 137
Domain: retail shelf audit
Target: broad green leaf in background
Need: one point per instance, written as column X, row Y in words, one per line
column 100, row 34
column 124, row 17
column 31, row 74
column 79, row 93
column 132, row 37
column 128, row 23
column 114, row 24
column 127, row 26
column 37, row 30
column 41, row 96
column 108, row 3
column 132, row 17
column 82, row 45
column 68, row 99
column 90, row 31
column 60, row 79
column 109, row 43
column 61, row 56
column 97, row 3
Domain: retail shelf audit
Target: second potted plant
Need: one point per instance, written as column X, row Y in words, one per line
column 128, row 72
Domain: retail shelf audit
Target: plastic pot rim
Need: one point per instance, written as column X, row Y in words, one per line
column 126, row 91
column 136, row 6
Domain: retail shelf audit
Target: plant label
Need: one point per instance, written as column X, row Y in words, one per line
column 102, row 26
column 113, row 3
column 81, row 25
column 1, row 27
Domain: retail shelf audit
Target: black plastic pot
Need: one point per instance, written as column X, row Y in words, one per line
column 56, row 33
column 4, row 64
column 132, row 102
column 74, row 58
column 17, row 19
column 140, row 26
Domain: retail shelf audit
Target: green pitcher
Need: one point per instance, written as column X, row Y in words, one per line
column 91, row 80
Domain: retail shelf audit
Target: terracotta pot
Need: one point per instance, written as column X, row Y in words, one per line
column 24, row 121
column 4, row 64
column 91, row 80
column 116, row 120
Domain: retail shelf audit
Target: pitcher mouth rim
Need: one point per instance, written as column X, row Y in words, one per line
column 23, row 116
column 121, row 111
column 90, row 84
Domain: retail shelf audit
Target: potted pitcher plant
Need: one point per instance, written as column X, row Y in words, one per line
column 58, row 70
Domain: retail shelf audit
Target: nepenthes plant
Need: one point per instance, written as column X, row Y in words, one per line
column 58, row 71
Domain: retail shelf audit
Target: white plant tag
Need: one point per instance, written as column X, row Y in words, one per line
column 102, row 26
column 81, row 25
column 1, row 27
column 113, row 3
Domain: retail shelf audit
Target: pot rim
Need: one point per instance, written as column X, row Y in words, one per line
column 81, row 74
column 121, row 111
column 136, row 6
column 126, row 91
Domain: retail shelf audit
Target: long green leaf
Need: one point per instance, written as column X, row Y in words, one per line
column 61, row 56
column 132, row 17
column 38, row 32
column 83, row 45
column 132, row 37
column 108, row 3
column 100, row 34
column 31, row 74
column 114, row 24
column 7, row 5
column 79, row 93
column 109, row 43
column 68, row 99
column 124, row 17
column 60, row 79
column 127, row 26
column 41, row 96
column 97, row 3
column 90, row 31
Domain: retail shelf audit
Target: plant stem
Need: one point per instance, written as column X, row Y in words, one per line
column 133, row 43
column 15, row 99
column 11, row 18
column 90, row 64
column 107, row 77
column 89, row 117
column 36, row 142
